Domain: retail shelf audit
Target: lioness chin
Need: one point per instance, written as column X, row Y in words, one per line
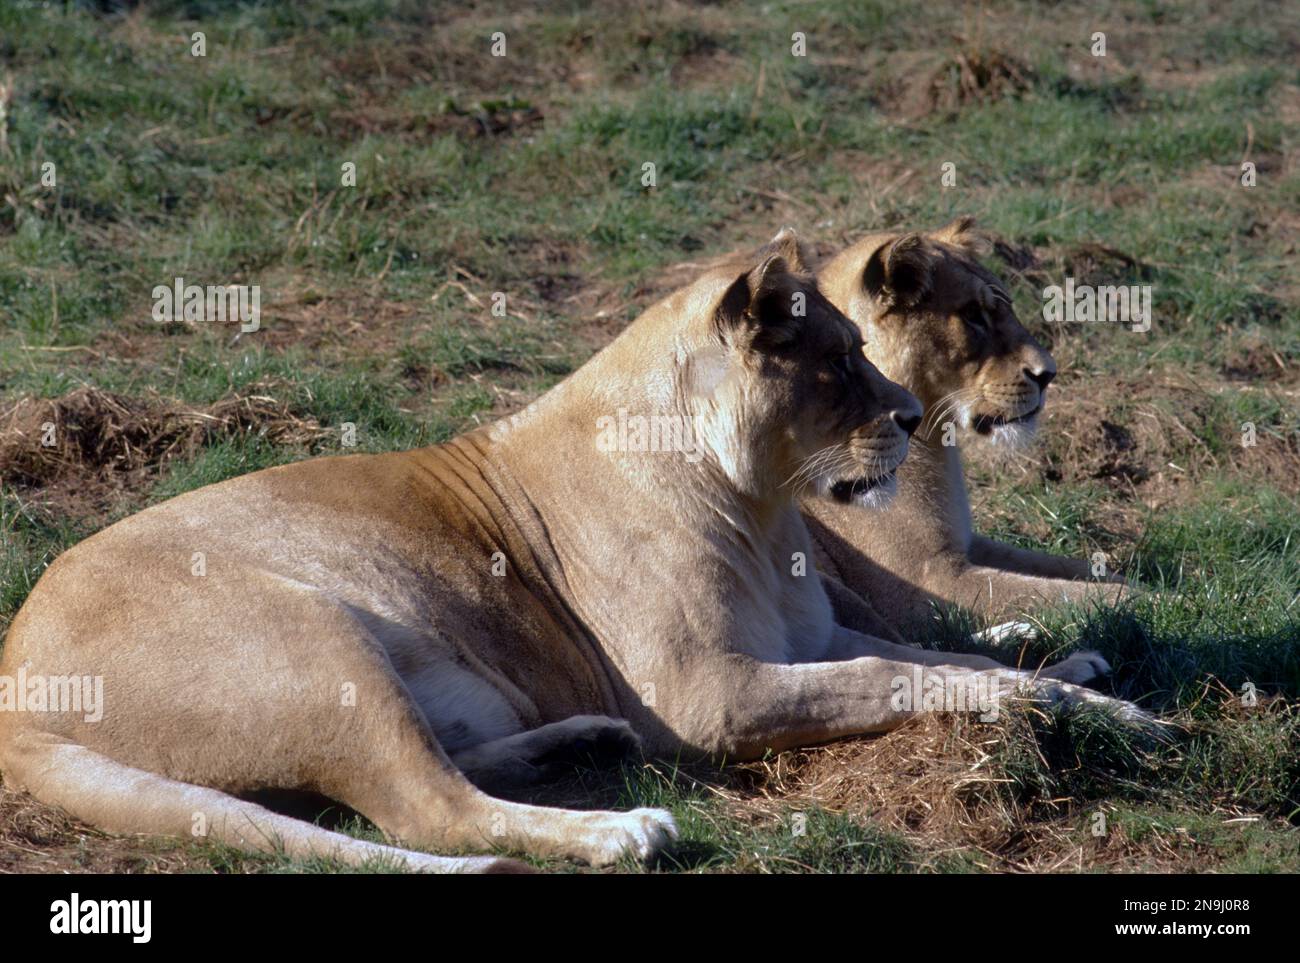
column 393, row 630
column 935, row 321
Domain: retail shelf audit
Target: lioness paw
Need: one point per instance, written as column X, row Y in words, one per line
column 1068, row 695
column 1078, row 669
column 1006, row 632
column 641, row 834
column 583, row 739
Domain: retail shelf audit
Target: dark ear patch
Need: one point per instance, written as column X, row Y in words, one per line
column 766, row 277
column 900, row 274
column 735, row 302
column 873, row 278
column 758, row 306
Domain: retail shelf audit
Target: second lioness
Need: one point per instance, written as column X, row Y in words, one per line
column 936, row 322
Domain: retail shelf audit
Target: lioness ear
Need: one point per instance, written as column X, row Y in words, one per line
column 786, row 243
column 758, row 304
column 961, row 233
column 901, row 273
column 953, row 231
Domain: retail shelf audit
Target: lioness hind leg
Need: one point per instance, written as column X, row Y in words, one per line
column 379, row 755
column 397, row 775
column 373, row 750
column 122, row 799
column 409, row 794
column 545, row 752
column 425, row 802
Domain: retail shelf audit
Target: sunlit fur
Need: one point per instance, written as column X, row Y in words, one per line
column 1016, row 437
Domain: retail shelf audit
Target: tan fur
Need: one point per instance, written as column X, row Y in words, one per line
column 383, row 629
column 908, row 294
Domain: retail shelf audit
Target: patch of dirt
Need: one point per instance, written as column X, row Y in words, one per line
column 1269, row 166
column 925, row 85
column 330, row 322
column 1097, row 264
column 1088, row 262
column 1286, row 101
column 482, row 119
column 1020, row 258
column 933, row 780
column 704, row 62
column 444, row 54
column 883, row 188
column 1255, row 361
column 84, row 449
column 354, row 321
column 1137, row 435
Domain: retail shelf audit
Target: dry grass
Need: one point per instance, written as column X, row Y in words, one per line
column 35, row 838
column 83, row 448
column 928, row 779
column 967, row 75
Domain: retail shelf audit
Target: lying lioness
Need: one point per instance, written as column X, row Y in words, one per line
column 385, row 629
column 942, row 326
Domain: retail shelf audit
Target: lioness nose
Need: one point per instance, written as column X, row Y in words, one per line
column 906, row 420
column 1042, row 377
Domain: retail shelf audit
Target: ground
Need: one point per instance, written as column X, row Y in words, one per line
column 523, row 175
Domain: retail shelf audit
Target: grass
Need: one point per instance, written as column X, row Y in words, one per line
column 522, row 176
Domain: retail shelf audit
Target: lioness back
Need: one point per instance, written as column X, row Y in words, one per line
column 420, row 530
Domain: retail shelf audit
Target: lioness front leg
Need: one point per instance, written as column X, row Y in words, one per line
column 1000, row 595
column 1078, row 668
column 768, row 707
column 854, row 612
column 1009, row 558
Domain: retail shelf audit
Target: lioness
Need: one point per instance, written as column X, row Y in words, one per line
column 386, row 629
column 942, row 326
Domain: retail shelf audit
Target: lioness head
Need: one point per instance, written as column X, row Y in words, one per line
column 793, row 394
column 942, row 326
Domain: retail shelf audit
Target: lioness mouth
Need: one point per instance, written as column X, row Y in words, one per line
column 847, row 489
column 986, row 423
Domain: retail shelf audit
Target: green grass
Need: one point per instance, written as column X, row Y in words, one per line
column 226, row 169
